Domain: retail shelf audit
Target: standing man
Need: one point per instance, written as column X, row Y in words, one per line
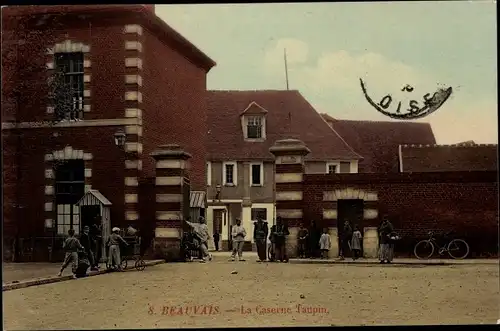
column 314, row 236
column 345, row 239
column 88, row 244
column 280, row 239
column 216, row 240
column 386, row 250
column 260, row 232
column 238, row 235
column 113, row 243
column 302, row 239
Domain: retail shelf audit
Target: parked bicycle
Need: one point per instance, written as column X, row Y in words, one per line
column 456, row 248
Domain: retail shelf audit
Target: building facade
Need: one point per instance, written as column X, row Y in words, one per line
column 125, row 100
column 241, row 178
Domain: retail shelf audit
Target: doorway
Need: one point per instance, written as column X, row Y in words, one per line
column 351, row 211
column 89, row 215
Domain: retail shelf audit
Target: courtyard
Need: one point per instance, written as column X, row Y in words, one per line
column 232, row 294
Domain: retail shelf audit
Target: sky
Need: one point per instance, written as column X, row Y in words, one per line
column 330, row 46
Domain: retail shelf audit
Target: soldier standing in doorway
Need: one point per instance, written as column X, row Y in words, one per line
column 345, row 239
column 260, row 232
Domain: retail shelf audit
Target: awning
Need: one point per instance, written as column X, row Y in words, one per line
column 93, row 197
column 197, row 199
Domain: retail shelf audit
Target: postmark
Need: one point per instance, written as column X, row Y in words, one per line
column 415, row 109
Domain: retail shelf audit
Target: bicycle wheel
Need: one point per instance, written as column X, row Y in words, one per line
column 424, row 249
column 140, row 265
column 124, row 264
column 458, row 249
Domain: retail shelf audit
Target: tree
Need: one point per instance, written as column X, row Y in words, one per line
column 27, row 87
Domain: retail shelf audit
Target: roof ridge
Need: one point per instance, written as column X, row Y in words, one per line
column 252, row 91
column 446, row 145
column 374, row 121
column 331, row 128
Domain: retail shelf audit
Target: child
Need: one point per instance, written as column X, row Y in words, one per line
column 356, row 243
column 71, row 246
column 325, row 244
column 303, row 237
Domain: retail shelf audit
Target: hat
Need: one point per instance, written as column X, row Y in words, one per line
column 115, row 229
column 86, row 227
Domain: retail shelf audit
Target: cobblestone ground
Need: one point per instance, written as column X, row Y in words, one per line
column 210, row 295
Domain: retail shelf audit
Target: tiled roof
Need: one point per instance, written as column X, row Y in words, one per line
column 378, row 142
column 289, row 115
column 428, row 158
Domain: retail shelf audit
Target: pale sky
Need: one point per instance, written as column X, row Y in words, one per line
column 331, row 45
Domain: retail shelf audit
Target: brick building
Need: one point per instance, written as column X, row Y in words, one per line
column 464, row 202
column 378, row 141
column 243, row 125
column 136, row 84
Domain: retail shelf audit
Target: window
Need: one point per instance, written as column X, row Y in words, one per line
column 256, row 174
column 332, row 168
column 70, row 187
column 254, row 127
column 229, row 173
column 68, row 217
column 69, row 86
column 259, row 212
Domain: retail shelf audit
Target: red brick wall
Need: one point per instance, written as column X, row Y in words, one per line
column 465, row 202
column 107, row 159
column 174, row 92
column 107, row 55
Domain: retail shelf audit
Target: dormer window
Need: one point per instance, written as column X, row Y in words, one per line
column 253, row 123
column 254, row 127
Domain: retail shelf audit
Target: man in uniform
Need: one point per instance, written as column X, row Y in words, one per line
column 260, row 232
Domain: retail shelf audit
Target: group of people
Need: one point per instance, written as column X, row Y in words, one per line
column 82, row 253
column 312, row 242
column 261, row 233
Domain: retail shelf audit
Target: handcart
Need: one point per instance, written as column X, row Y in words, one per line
column 132, row 252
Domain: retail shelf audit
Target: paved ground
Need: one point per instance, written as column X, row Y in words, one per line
column 17, row 272
column 209, row 295
column 22, row 271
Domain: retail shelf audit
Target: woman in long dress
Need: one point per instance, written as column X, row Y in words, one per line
column 386, row 252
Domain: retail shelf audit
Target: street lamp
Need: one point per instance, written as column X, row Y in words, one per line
column 218, row 189
column 120, row 138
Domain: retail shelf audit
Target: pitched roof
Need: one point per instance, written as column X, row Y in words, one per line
column 93, row 197
column 142, row 14
column 289, row 115
column 429, row 158
column 378, row 142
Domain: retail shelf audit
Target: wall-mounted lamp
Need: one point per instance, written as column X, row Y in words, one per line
column 120, row 138
column 218, row 189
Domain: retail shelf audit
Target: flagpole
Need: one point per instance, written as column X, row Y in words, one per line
column 286, row 70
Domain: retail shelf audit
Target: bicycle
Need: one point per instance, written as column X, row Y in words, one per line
column 431, row 244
